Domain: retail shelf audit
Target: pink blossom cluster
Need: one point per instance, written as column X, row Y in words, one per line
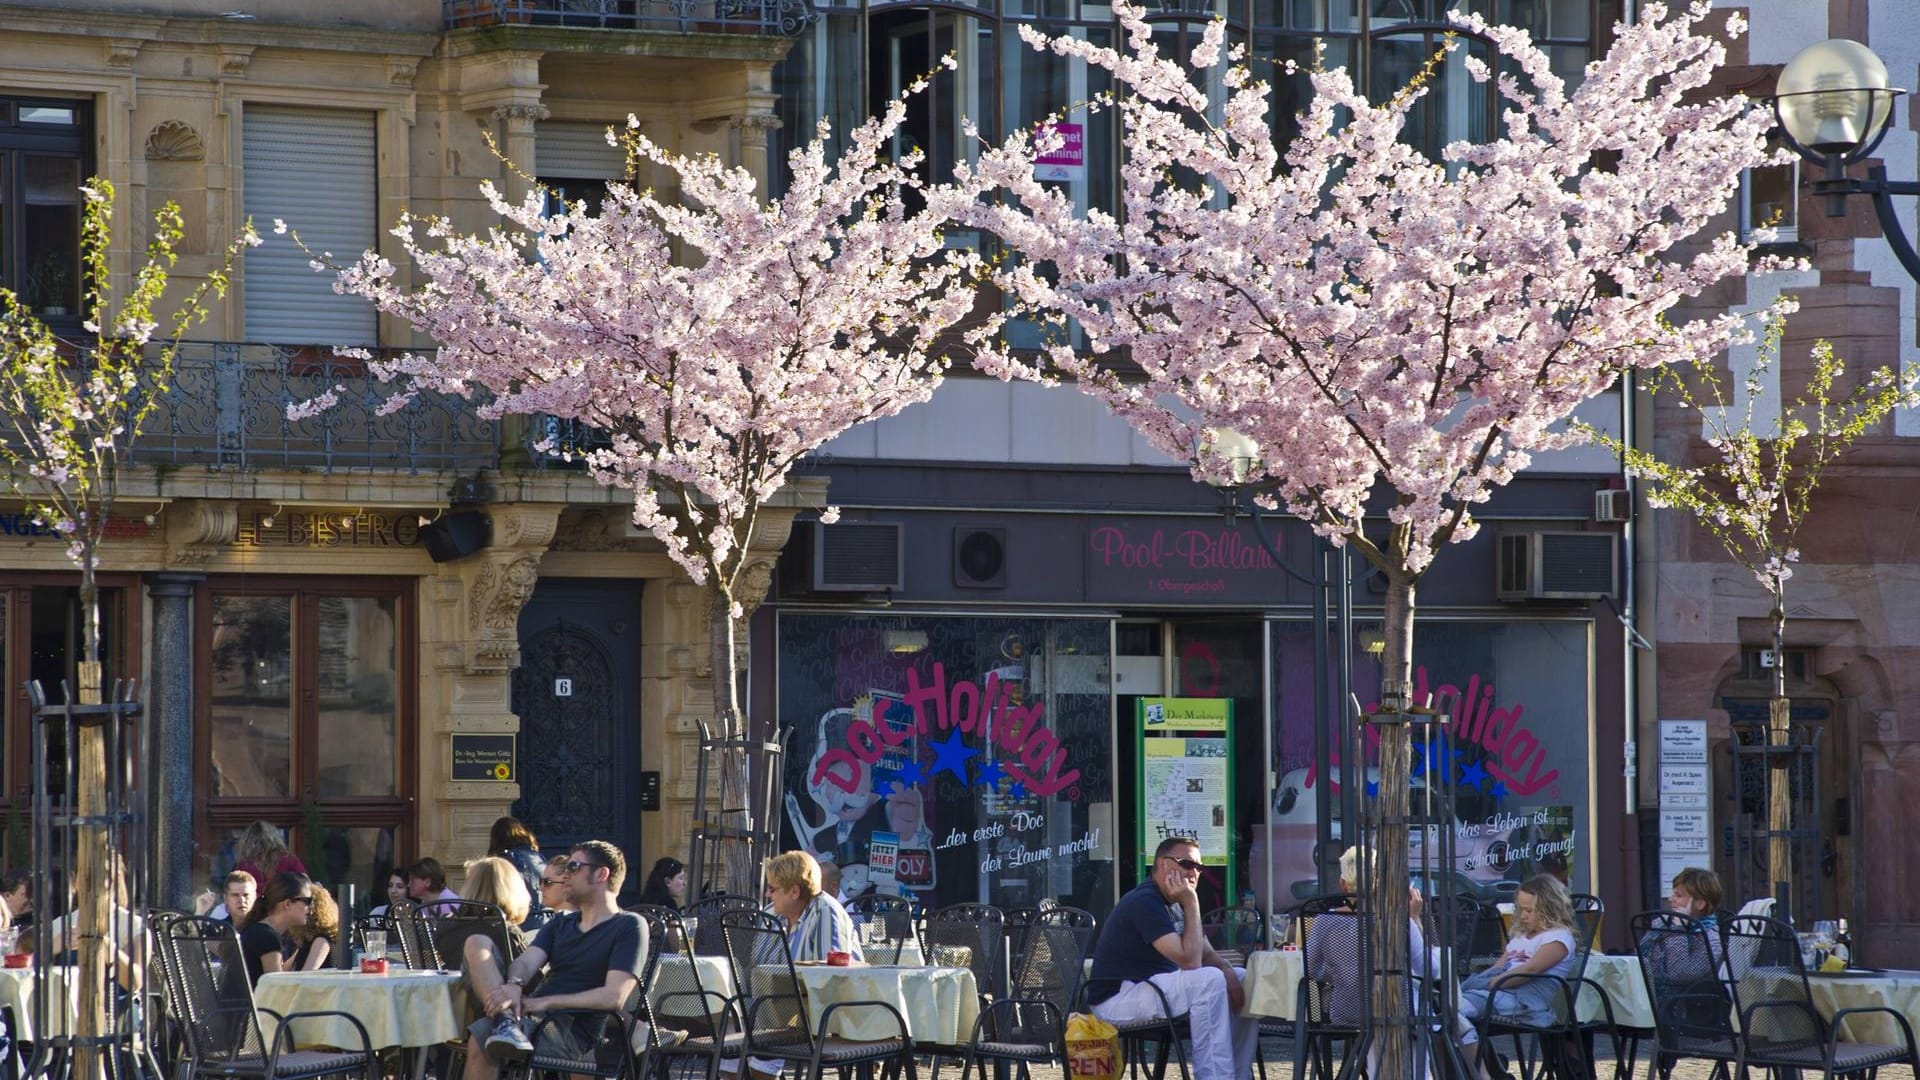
column 1377, row 322
column 714, row 339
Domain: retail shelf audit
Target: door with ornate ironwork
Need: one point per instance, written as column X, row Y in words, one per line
column 577, row 693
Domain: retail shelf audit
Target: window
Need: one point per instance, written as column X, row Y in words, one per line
column 315, row 169
column 1770, row 198
column 305, row 719
column 40, row 641
column 575, row 161
column 43, row 161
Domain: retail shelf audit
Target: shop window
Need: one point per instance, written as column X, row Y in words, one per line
column 40, row 640
column 1519, row 695
column 974, row 766
column 304, row 721
column 43, row 161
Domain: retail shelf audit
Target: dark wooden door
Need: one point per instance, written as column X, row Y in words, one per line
column 577, row 693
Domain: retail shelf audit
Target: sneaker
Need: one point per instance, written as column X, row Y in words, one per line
column 509, row 1041
column 668, row 1038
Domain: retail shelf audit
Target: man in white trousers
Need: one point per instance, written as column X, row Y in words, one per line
column 1154, row 936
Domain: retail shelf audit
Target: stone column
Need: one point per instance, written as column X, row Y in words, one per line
column 170, row 716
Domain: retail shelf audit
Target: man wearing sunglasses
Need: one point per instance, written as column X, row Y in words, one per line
column 591, row 957
column 1153, row 956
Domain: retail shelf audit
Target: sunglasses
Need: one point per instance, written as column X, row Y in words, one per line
column 574, row 866
column 548, row 883
column 307, row 900
column 1188, row 865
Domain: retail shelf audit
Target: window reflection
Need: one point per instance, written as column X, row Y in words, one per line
column 251, row 695
column 356, row 679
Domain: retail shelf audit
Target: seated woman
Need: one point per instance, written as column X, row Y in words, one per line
column 1543, row 944
column 315, row 941
column 1333, row 949
column 816, row 925
column 287, row 903
column 494, row 880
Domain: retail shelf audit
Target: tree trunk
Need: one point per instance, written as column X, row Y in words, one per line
column 93, row 888
column 1780, row 773
column 734, row 854
column 1388, row 897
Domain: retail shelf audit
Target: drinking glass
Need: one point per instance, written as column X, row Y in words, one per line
column 1282, row 931
column 1809, row 951
column 376, row 944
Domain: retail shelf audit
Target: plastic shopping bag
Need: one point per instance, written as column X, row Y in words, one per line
column 1093, row 1048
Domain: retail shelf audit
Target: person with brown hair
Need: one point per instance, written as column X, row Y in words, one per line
column 511, row 840
column 315, row 940
column 1696, row 892
column 427, row 882
column 286, row 903
column 262, row 852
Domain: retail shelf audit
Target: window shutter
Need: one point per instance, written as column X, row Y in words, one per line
column 314, row 169
column 578, row 150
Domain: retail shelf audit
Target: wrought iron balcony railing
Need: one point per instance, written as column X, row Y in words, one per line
column 226, row 408
column 677, row 16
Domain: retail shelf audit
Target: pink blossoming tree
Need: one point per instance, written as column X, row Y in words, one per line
column 1387, row 338
column 715, row 341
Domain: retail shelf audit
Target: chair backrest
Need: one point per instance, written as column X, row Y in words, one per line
column 444, row 927
column 709, row 939
column 1477, row 936
column 1315, row 906
column 1589, row 911
column 1680, row 962
column 884, row 926
column 1338, row 957
column 413, row 943
column 1763, row 965
column 1239, row 929
column 774, row 1002
column 672, row 984
column 208, row 992
column 980, row 929
column 1052, row 966
column 390, row 926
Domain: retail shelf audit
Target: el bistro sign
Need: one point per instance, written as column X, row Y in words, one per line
column 287, row 528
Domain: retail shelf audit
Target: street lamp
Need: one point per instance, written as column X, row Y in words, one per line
column 1240, row 490
column 1834, row 103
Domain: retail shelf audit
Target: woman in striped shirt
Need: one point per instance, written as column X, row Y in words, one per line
column 816, row 923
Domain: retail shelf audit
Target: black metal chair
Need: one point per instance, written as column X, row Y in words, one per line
column 885, row 926
column 677, row 999
column 980, row 930
column 390, row 926
column 775, row 1006
column 704, row 915
column 1027, row 1025
column 443, row 930
column 1589, row 911
column 1166, row 1033
column 1235, row 931
column 1680, row 962
column 1478, row 936
column 1779, row 1028
column 211, row 998
column 1556, row 1045
column 1331, row 1006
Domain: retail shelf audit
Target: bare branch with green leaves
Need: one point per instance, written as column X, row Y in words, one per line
column 73, row 412
column 1759, row 492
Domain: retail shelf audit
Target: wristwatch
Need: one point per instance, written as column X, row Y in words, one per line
column 515, row 980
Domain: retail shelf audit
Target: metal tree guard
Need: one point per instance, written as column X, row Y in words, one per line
column 735, row 827
column 120, row 1049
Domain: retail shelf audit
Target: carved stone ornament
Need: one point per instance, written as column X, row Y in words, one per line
column 756, row 577
column 234, row 60
column 401, row 70
column 120, row 52
column 198, row 530
column 172, row 140
column 599, row 530
column 525, row 113
column 500, row 590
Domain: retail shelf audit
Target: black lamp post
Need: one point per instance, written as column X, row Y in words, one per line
column 1835, row 104
column 1330, row 701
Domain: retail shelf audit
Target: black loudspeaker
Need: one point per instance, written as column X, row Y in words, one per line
column 979, row 558
column 457, row 535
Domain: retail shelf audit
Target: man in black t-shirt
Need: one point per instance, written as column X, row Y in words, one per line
column 592, row 957
column 1153, row 939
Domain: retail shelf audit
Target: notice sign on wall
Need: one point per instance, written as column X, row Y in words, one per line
column 483, row 757
column 1686, row 819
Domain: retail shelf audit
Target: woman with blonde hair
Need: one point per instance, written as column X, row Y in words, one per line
column 1543, row 944
column 494, row 880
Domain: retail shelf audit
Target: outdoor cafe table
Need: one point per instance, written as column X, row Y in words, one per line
column 1896, row 990
column 1272, row 982
column 940, row 1004
column 714, row 973
column 403, row 1008
column 16, row 994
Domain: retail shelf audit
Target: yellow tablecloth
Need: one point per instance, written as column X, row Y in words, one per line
column 1897, row 990
column 1619, row 977
column 404, row 1008
column 16, row 993
column 1273, row 982
column 673, row 975
column 940, row 1004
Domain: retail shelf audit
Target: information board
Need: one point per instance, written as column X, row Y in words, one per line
column 483, row 757
column 1686, row 784
column 1186, row 777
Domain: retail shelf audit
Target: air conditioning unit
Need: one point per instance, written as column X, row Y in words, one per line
column 856, row 556
column 1612, row 505
column 1537, row 564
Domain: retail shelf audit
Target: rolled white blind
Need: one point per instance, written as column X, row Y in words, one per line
column 316, row 169
column 578, row 150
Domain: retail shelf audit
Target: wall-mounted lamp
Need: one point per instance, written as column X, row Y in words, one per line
column 905, row 642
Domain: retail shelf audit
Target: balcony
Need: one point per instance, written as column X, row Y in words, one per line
column 767, row 17
column 227, row 410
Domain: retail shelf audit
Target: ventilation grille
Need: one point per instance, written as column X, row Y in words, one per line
column 860, row 556
column 1537, row 565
